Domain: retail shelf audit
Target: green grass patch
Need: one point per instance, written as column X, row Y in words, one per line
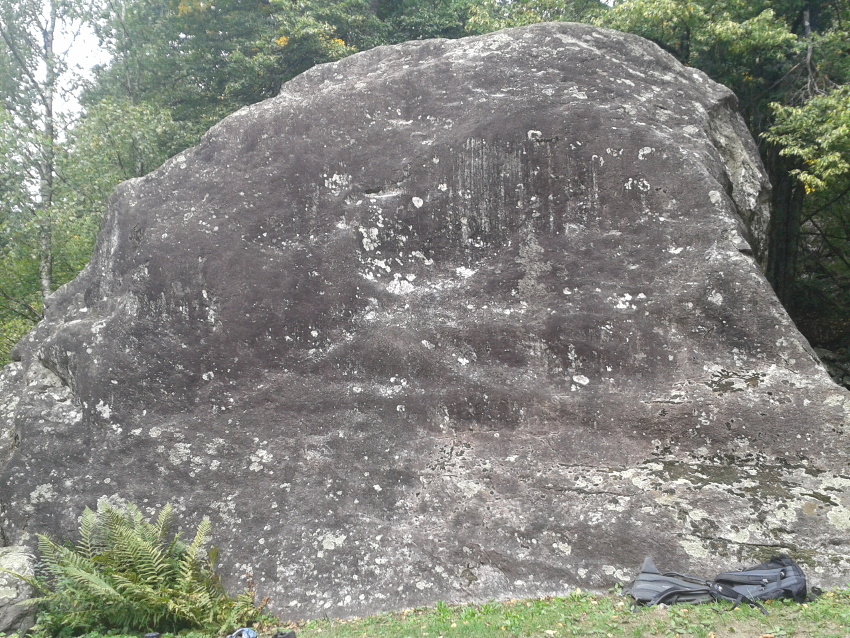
column 603, row 616
column 580, row 614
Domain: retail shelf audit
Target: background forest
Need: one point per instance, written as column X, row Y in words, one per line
column 175, row 67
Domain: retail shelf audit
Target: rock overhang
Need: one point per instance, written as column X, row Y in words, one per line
column 448, row 320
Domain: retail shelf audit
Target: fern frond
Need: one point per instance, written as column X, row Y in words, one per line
column 88, row 533
column 47, row 549
column 190, row 567
column 93, row 583
column 164, row 522
column 32, row 581
column 201, row 537
column 32, row 602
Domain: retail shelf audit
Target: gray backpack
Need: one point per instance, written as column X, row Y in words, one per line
column 651, row 587
column 780, row 577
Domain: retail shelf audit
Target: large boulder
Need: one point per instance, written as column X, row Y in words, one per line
column 449, row 320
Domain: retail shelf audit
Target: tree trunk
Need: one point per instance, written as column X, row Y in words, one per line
column 45, row 225
column 783, row 234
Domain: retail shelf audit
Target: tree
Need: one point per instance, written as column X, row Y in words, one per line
column 490, row 15
column 30, row 82
column 32, row 71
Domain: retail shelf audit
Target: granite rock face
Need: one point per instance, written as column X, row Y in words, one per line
column 14, row 617
column 450, row 320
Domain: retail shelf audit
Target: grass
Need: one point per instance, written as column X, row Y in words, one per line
column 588, row 615
column 599, row 616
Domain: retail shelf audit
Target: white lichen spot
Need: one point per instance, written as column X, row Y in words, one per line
column 715, row 197
column 417, row 201
column 423, row 585
column 428, row 344
column 469, row 488
column 155, row 432
column 581, row 379
column 646, row 150
column 464, row 272
column 180, row 453
column 43, row 493
column 839, row 517
column 641, row 184
column 399, row 286
column 377, row 488
column 622, row 302
column 443, row 187
column 259, row 458
column 619, row 574
column 564, row 548
column 103, row 409
column 673, row 250
column 370, row 238
column 695, row 549
column 207, row 376
column 716, row 298
column 337, row 183
column 534, row 135
column 836, row 483
column 463, row 361
column 331, row 541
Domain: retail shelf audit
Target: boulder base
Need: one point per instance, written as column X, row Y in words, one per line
column 450, row 320
column 14, row 617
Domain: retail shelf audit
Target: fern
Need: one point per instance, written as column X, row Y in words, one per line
column 88, row 545
column 131, row 575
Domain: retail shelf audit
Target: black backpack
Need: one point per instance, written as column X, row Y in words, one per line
column 780, row 577
column 651, row 587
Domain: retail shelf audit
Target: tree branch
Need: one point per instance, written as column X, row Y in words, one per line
column 4, row 33
column 26, row 311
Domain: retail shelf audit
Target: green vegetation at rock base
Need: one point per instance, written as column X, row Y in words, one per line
column 127, row 574
column 580, row 614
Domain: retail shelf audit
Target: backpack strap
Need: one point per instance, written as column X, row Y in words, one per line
column 723, row 592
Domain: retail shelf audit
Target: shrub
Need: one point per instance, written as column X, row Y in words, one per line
column 128, row 574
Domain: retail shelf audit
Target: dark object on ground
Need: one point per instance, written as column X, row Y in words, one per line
column 778, row 578
column 651, row 587
column 288, row 634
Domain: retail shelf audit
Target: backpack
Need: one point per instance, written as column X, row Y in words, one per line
column 651, row 587
column 780, row 577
